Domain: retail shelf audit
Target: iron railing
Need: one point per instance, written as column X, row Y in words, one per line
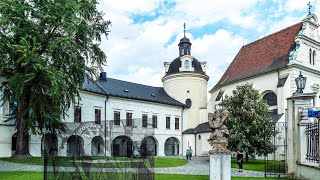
column 312, row 134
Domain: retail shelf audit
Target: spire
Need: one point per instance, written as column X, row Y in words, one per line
column 184, row 29
column 309, row 6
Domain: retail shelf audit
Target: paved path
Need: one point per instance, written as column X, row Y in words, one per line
column 196, row 166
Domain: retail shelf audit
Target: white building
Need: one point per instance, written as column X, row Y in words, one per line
column 119, row 118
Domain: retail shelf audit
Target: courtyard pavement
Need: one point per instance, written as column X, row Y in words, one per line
column 196, row 166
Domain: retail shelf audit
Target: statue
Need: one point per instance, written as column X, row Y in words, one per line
column 219, row 136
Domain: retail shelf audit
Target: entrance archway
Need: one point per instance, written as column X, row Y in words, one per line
column 122, row 146
column 97, row 146
column 75, row 146
column 149, row 146
column 171, row 147
column 49, row 145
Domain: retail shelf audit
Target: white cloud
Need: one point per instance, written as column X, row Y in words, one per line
column 136, row 50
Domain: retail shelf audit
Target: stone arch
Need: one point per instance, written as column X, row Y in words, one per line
column 122, row 146
column 149, row 146
column 270, row 97
column 75, row 146
column 171, row 146
column 49, row 145
column 97, row 146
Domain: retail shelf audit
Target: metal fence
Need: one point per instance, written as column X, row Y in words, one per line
column 312, row 134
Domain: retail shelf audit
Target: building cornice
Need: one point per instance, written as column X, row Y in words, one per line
column 185, row 74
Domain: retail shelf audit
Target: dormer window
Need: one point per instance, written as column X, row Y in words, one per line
column 186, row 64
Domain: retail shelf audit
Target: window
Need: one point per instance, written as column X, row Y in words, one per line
column 116, row 118
column 167, row 122
column 188, row 103
column 310, row 56
column 313, row 57
column 271, row 98
column 154, row 121
column 186, row 64
column 97, row 113
column 144, row 120
column 176, row 123
column 129, row 119
column 77, row 114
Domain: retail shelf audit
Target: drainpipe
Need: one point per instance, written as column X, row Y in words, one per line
column 105, row 125
column 182, row 131
column 195, row 144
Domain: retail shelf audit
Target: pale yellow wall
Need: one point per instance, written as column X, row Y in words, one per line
column 177, row 86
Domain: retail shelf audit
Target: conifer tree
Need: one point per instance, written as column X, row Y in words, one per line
column 46, row 49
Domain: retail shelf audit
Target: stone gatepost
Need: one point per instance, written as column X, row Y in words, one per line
column 296, row 109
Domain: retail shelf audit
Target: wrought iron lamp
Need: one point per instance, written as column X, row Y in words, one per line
column 301, row 83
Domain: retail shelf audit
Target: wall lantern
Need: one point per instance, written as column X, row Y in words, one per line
column 301, row 83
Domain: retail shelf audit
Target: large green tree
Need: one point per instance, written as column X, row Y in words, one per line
column 249, row 123
column 46, row 49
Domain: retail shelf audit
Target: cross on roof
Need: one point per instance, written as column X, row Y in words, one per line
column 309, row 4
column 184, row 29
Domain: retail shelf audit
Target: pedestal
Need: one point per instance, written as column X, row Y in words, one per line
column 220, row 167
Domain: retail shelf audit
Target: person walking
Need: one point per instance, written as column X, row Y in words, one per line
column 187, row 153
column 190, row 153
column 240, row 160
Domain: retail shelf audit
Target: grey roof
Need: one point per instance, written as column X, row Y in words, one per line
column 92, row 86
column 275, row 116
column 201, row 128
column 119, row 88
column 282, row 81
column 176, row 64
column 188, row 131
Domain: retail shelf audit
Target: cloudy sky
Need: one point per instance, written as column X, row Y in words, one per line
column 145, row 33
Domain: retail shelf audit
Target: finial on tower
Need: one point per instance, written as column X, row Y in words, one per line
column 184, row 29
column 309, row 4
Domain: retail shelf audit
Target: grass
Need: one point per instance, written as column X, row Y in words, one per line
column 252, row 164
column 67, row 162
column 39, row 176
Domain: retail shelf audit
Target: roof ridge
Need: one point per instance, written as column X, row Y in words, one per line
column 134, row 83
column 274, row 33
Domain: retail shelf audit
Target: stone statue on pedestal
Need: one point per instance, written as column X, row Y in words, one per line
column 219, row 136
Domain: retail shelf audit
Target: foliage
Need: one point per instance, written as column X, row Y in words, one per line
column 248, row 122
column 46, row 49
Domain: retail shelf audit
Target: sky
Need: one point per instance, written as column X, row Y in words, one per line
column 145, row 33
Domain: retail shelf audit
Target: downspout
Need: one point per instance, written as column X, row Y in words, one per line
column 195, row 144
column 105, row 125
column 182, row 131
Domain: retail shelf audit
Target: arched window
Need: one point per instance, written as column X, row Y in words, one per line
column 188, row 103
column 271, row 98
column 313, row 57
column 310, row 56
column 186, row 64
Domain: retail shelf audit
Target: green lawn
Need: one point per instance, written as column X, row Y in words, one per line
column 65, row 161
column 252, row 164
column 39, row 176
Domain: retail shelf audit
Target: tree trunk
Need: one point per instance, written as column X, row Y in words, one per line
column 247, row 156
column 22, row 147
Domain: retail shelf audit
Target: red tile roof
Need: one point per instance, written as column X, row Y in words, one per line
column 266, row 54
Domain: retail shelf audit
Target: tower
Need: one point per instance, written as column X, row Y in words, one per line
column 186, row 81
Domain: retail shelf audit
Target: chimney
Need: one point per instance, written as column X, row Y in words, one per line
column 103, row 76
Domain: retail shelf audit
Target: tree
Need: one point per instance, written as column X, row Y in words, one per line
column 249, row 124
column 46, row 49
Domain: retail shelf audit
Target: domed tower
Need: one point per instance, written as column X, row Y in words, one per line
column 186, row 81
